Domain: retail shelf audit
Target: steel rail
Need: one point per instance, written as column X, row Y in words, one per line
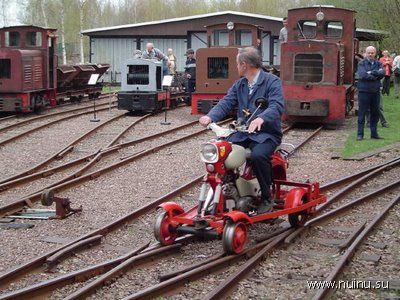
column 7, row 118
column 305, row 141
column 45, row 116
column 342, row 192
column 137, row 255
column 351, row 204
column 165, row 286
column 15, row 137
column 350, row 177
column 63, row 185
column 223, row 289
column 89, row 289
column 106, row 229
column 8, row 182
column 349, row 253
column 106, row 151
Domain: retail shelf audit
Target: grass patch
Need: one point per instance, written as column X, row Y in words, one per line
column 391, row 135
column 111, row 89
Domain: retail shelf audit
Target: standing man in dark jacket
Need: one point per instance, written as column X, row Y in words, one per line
column 190, row 72
column 370, row 73
column 265, row 132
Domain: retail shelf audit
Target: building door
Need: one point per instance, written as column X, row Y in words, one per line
column 266, row 47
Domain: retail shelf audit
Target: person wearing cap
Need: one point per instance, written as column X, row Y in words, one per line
column 190, row 73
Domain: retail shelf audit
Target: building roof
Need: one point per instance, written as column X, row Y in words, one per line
column 214, row 14
column 361, row 34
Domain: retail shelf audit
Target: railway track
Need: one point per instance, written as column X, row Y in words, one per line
column 102, row 107
column 29, row 119
column 77, row 177
column 140, row 211
column 126, row 262
column 114, row 268
column 87, row 162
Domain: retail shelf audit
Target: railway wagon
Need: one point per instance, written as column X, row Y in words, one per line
column 29, row 74
column 317, row 65
column 216, row 65
column 142, row 87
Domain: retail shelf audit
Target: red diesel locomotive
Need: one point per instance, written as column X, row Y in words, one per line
column 216, row 65
column 29, row 76
column 317, row 65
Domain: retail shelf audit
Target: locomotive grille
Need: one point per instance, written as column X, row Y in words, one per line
column 28, row 74
column 37, row 75
column 138, row 74
column 218, row 67
column 308, row 68
column 5, row 68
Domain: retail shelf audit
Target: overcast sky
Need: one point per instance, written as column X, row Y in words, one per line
column 11, row 10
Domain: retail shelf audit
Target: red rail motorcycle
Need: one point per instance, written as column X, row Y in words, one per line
column 230, row 194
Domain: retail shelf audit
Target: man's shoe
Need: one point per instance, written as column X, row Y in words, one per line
column 265, row 206
column 376, row 137
column 359, row 138
column 386, row 125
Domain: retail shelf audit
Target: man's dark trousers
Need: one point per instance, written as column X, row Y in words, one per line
column 368, row 101
column 261, row 162
column 191, row 88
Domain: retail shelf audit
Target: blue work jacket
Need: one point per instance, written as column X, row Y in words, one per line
column 369, row 83
column 268, row 86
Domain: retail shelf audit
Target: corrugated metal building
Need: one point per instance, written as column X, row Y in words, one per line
column 115, row 44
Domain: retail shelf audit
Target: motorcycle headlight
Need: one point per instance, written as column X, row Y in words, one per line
column 209, row 153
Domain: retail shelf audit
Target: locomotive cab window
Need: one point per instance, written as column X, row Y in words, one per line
column 307, row 29
column 243, row 37
column 220, row 38
column 5, row 68
column 12, row 38
column 33, row 39
column 333, row 29
column 308, row 67
column 138, row 75
column 218, row 67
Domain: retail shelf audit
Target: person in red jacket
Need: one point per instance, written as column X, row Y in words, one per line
column 387, row 63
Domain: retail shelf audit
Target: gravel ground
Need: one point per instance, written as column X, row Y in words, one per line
column 100, row 139
column 19, row 118
column 33, row 148
column 112, row 195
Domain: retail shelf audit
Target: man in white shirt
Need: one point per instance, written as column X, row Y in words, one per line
column 283, row 32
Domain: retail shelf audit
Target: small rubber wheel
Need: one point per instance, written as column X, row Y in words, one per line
column 234, row 237
column 47, row 198
column 298, row 219
column 164, row 232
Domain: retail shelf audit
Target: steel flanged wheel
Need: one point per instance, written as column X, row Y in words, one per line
column 47, row 198
column 298, row 219
column 234, row 237
column 164, row 232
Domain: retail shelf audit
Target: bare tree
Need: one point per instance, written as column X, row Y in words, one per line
column 82, row 4
column 43, row 9
column 62, row 17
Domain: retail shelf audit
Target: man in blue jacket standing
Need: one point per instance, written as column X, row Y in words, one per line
column 370, row 72
column 265, row 132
